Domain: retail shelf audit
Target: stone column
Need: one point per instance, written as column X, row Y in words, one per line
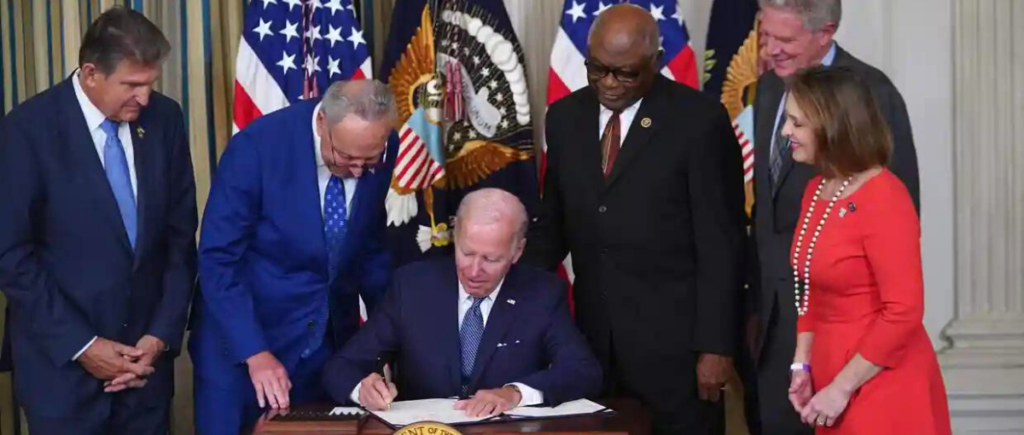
column 984, row 365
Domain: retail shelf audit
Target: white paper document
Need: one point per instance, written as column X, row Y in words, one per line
column 413, row 411
column 576, row 407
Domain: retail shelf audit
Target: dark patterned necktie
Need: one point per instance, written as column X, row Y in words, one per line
column 780, row 151
column 610, row 142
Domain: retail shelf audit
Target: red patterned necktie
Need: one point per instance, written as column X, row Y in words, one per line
column 610, row 141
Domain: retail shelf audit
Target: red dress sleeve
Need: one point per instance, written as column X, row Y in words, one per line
column 892, row 243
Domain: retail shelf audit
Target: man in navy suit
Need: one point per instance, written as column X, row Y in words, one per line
column 479, row 327
column 292, row 236
column 97, row 238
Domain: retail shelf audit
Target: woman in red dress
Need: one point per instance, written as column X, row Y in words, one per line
column 863, row 361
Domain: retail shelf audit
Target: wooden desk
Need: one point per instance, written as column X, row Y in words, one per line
column 629, row 419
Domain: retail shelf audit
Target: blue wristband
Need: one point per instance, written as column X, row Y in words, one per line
column 800, row 366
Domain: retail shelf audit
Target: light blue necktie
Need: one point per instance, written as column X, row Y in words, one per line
column 116, row 165
column 469, row 341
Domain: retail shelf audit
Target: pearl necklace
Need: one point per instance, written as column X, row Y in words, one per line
column 806, row 297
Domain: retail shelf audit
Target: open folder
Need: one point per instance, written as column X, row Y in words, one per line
column 408, row 412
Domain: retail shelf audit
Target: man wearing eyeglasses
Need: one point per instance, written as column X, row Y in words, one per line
column 644, row 188
column 291, row 237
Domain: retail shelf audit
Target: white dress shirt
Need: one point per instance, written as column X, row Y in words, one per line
column 530, row 396
column 94, row 121
column 625, row 120
column 323, row 174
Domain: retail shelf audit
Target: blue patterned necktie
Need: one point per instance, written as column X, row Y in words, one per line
column 335, row 218
column 469, row 340
column 116, row 165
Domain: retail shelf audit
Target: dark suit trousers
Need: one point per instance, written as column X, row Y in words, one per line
column 136, row 418
column 667, row 386
column 777, row 414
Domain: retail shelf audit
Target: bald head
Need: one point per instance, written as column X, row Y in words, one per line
column 623, row 54
column 491, row 207
column 626, row 27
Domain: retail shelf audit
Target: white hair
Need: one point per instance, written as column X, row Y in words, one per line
column 371, row 100
column 815, row 14
column 491, row 205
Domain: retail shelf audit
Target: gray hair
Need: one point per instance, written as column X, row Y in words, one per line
column 815, row 14
column 491, row 205
column 370, row 100
column 653, row 36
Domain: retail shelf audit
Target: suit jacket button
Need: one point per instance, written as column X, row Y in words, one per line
column 602, row 209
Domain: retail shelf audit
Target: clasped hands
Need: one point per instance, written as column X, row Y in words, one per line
column 376, row 394
column 121, row 366
column 817, row 409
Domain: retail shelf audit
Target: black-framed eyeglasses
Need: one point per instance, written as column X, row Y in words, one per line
column 596, row 71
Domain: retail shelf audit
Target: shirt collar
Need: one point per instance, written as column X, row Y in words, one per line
column 627, row 112
column 463, row 296
column 316, row 140
column 93, row 117
column 830, row 56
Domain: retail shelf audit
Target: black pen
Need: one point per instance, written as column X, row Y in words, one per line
column 381, row 362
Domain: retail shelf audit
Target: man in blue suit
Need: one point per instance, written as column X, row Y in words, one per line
column 479, row 327
column 97, row 238
column 291, row 237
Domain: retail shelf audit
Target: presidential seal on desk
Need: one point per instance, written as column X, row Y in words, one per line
column 428, row 428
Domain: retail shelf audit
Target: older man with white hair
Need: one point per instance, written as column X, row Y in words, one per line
column 479, row 326
column 798, row 34
column 290, row 239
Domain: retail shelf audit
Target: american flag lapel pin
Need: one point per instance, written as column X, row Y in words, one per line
column 511, row 301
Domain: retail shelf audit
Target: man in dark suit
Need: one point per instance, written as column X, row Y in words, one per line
column 97, row 238
column 292, row 237
column 480, row 327
column 798, row 35
column 655, row 230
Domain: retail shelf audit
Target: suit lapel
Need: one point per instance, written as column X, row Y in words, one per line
column 309, row 200
column 503, row 314
column 588, row 148
column 143, row 146
column 644, row 126
column 449, row 309
column 82, row 150
column 766, row 126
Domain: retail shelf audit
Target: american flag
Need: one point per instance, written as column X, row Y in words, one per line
column 292, row 50
column 568, row 74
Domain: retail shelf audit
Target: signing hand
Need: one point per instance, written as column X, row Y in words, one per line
column 826, row 406
column 490, row 402
column 375, row 393
column 712, row 373
column 270, row 379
